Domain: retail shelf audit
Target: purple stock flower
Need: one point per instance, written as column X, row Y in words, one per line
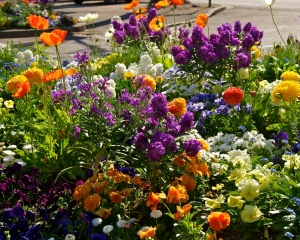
column 242, row 60
column 172, row 126
column 117, row 25
column 175, row 50
column 186, row 121
column 151, row 14
column 225, row 37
column 119, row 36
column 77, row 130
column 192, row 147
column 3, row 187
column 183, row 57
column 155, row 151
column 132, row 20
column 166, row 139
column 207, row 54
column 141, row 141
column 183, row 33
column 256, row 34
column 248, row 42
column 12, row 169
column 159, row 105
column 237, row 26
column 247, row 27
column 110, row 118
column 82, row 59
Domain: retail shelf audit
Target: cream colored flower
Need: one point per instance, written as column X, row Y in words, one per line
column 156, row 214
column 235, row 201
column 9, row 104
column 242, row 73
column 268, row 2
column 218, row 187
column 251, row 214
column 249, row 189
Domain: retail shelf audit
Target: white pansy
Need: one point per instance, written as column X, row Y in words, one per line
column 107, row 229
column 96, row 222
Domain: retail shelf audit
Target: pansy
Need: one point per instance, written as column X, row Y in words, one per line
column 251, row 214
column 146, row 232
column 218, row 220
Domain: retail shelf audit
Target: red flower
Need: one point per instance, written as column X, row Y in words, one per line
column 233, row 95
column 22, row 89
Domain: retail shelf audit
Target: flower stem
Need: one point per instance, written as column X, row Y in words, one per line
column 276, row 26
column 60, row 66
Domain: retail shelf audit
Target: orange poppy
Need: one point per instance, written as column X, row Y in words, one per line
column 103, row 213
column 37, row 22
column 115, row 197
column 157, row 23
column 161, row 4
column 53, row 75
column 54, row 38
column 182, row 211
column 177, row 2
column 140, row 11
column 22, row 89
column 202, row 20
column 131, row 5
column 188, row 181
column 92, row 201
column 26, row 1
column 70, row 71
column 218, row 220
column 173, row 195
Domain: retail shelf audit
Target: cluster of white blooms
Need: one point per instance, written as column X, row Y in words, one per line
column 9, row 156
column 25, row 58
column 153, row 50
column 145, row 66
column 265, row 87
column 185, row 91
column 90, row 17
column 45, row 13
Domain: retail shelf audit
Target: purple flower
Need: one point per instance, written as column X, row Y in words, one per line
column 166, row 139
column 248, row 42
column 280, row 136
column 132, row 20
column 35, row 171
column 237, row 26
column 141, row 141
column 207, row 54
column 61, row 96
column 110, row 118
column 18, row 229
column 256, row 34
column 192, row 147
column 3, row 187
column 225, row 37
column 183, row 33
column 77, row 130
column 183, row 57
column 155, row 151
column 247, row 27
column 242, row 60
column 188, row 43
column 12, row 169
column 82, row 59
column 99, row 236
column 34, row 233
column 159, row 105
column 117, row 25
column 151, row 14
column 172, row 126
column 175, row 50
column 186, row 121
column 119, row 36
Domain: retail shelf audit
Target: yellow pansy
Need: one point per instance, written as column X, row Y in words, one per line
column 9, row 104
column 249, row 189
column 218, row 187
column 235, row 201
column 251, row 214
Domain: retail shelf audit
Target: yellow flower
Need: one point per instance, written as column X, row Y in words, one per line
column 218, row 187
column 251, row 214
column 287, row 91
column 204, row 144
column 215, row 203
column 255, row 52
column 237, row 173
column 9, row 104
column 290, row 76
column 159, row 79
column 242, row 73
column 128, row 76
column 249, row 189
column 235, row 201
column 34, row 75
column 14, row 82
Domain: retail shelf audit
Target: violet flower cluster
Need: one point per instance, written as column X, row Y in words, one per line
column 230, row 42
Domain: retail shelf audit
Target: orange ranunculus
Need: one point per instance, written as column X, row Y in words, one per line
column 154, row 199
column 188, row 181
column 115, row 197
column 22, row 89
column 157, row 23
column 177, row 2
column 54, row 38
column 218, row 220
column 177, row 107
column 103, row 213
column 92, row 202
column 34, row 75
column 182, row 211
column 53, row 75
column 147, row 232
column 173, row 195
column 37, row 22
column 131, row 5
column 233, row 95
column 161, row 4
column 202, row 20
column 126, row 192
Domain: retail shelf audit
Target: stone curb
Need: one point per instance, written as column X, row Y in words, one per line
column 210, row 13
column 22, row 33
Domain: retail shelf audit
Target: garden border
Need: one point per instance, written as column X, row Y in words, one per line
column 20, row 33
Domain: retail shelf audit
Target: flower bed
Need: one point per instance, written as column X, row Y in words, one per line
column 174, row 135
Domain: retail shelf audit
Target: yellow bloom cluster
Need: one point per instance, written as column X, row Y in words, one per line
column 34, row 75
column 287, row 91
column 290, row 76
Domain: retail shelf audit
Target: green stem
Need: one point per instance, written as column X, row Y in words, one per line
column 276, row 26
column 60, row 66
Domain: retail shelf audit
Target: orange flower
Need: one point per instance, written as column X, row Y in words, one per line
column 115, row 197
column 53, row 75
column 34, row 75
column 173, row 195
column 218, row 220
column 179, row 160
column 177, row 2
column 154, row 199
column 188, row 181
column 143, row 81
column 160, row 4
column 182, row 194
column 157, row 23
column 126, row 192
column 131, row 5
column 233, row 95
column 14, row 82
column 146, row 232
column 92, row 202
column 26, row 1
column 204, row 144
column 22, row 89
column 81, row 191
column 202, row 20
column 202, row 169
column 98, row 187
column 177, row 107
column 103, row 213
column 140, row 13
column 70, row 71
column 182, row 211
column 37, row 22
column 54, row 38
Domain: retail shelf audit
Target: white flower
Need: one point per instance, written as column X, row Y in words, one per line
column 96, row 222
column 70, row 237
column 268, row 2
column 82, row 19
column 8, row 158
column 156, row 214
column 92, row 16
column 12, row 147
column 131, row 220
column 108, row 229
column 123, row 224
column 9, row 152
column 51, row 239
column 27, row 147
column 118, row 18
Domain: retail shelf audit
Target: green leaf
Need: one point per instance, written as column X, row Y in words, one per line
column 161, row 227
column 279, row 236
column 281, row 189
column 170, row 215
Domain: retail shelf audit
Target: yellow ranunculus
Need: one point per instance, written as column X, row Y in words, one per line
column 235, row 201
column 290, row 76
column 251, row 214
column 287, row 91
column 34, row 75
column 249, row 189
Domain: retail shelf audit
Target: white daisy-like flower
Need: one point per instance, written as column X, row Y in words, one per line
column 11, row 147
column 123, row 224
column 107, row 229
column 156, row 214
column 27, row 147
column 70, row 237
column 9, row 152
column 96, row 222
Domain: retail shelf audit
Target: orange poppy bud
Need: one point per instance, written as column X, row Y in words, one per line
column 218, row 220
column 23, row 88
column 92, row 202
column 115, row 197
column 202, row 20
column 37, row 22
column 54, row 38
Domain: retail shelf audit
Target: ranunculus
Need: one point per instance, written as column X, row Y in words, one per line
column 233, row 95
